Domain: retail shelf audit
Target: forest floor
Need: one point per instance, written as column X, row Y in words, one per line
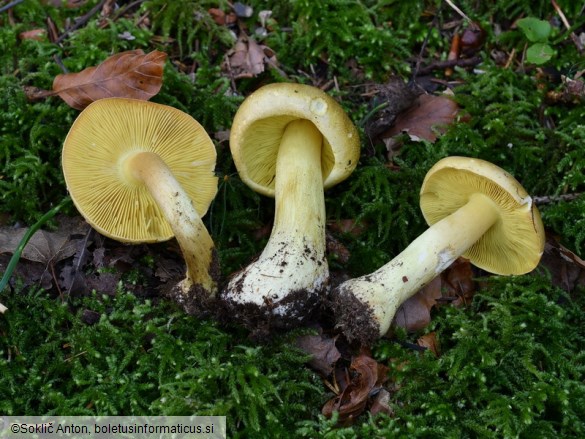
column 88, row 329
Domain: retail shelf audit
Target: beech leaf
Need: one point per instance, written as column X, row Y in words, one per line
column 130, row 74
column 425, row 119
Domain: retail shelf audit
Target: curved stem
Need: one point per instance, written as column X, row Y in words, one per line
column 190, row 232
column 383, row 291
column 294, row 257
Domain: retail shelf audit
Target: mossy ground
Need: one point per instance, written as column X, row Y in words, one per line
column 511, row 364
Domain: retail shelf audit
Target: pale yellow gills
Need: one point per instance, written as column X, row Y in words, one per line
column 141, row 172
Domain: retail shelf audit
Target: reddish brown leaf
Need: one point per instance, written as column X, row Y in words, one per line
column 217, row 15
column 323, row 351
column 425, row 119
column 130, row 74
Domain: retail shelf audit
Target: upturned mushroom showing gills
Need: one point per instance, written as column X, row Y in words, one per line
column 290, row 142
column 141, row 172
column 475, row 210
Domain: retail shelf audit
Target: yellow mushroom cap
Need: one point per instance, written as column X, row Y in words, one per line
column 514, row 244
column 110, row 130
column 262, row 118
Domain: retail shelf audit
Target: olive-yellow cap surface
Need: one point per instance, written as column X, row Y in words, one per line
column 262, row 118
column 515, row 243
column 109, row 131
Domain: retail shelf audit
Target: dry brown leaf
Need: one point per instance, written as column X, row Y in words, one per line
column 44, row 247
column 367, row 377
column 458, row 282
column 427, row 117
column 130, row 74
column 322, row 350
column 415, row 314
column 248, row 58
column 566, row 268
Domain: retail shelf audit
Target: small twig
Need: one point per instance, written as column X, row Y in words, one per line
column 10, row 5
column 459, row 11
column 56, row 280
column 510, row 59
column 230, row 73
column 74, row 356
column 574, row 37
column 547, row 199
column 80, row 258
column 423, row 47
column 120, row 12
column 59, row 62
column 82, row 21
column 440, row 65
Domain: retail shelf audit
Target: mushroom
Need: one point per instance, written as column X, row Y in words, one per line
column 3, row 309
column 290, row 142
column 474, row 209
column 141, row 172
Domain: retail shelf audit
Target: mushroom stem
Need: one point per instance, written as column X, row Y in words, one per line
column 190, row 232
column 380, row 294
column 293, row 260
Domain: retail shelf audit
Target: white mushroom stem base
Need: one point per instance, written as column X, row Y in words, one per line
column 365, row 307
column 291, row 273
column 193, row 238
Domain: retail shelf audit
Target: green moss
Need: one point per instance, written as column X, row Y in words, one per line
column 510, row 366
column 145, row 359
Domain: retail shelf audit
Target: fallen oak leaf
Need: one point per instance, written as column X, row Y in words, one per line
column 130, row 74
